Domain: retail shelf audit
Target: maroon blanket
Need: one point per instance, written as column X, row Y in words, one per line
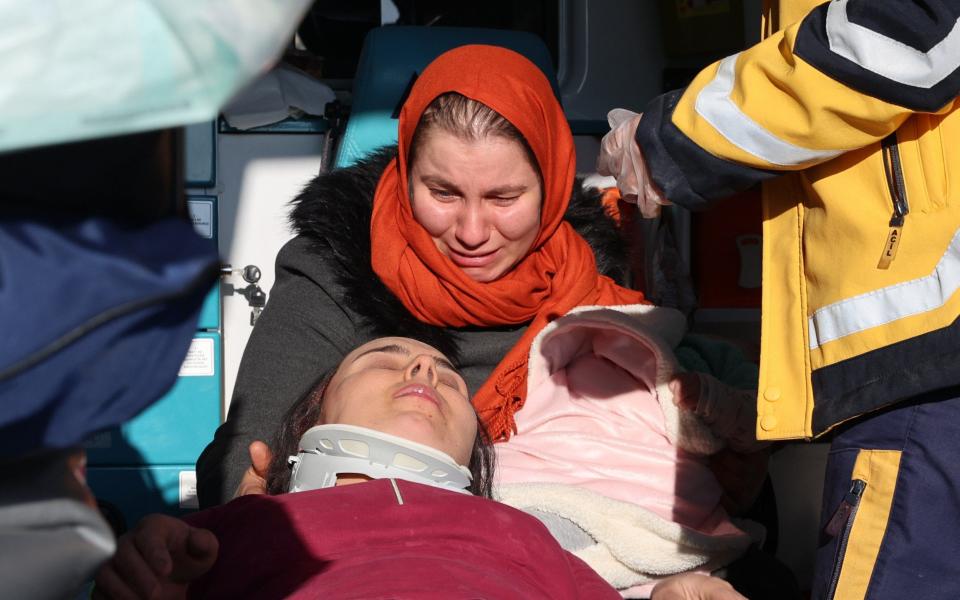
column 363, row 541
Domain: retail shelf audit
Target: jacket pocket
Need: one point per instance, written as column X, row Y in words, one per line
column 860, row 522
column 925, row 163
column 840, row 526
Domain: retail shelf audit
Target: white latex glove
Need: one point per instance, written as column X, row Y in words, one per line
column 620, row 156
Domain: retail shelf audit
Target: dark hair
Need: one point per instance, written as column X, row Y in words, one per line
column 469, row 120
column 305, row 413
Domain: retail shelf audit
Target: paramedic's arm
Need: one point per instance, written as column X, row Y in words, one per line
column 157, row 559
column 842, row 78
column 301, row 334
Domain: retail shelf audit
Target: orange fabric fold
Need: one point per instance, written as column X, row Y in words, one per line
column 558, row 274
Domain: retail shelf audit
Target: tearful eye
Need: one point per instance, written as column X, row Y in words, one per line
column 443, row 194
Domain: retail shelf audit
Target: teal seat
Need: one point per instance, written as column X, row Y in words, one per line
column 392, row 57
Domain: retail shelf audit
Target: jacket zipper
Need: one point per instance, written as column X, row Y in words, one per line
column 898, row 193
column 841, row 523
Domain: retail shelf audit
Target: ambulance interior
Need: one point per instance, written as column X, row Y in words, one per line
column 332, row 98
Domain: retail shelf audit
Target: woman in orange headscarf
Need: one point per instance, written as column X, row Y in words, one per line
column 460, row 249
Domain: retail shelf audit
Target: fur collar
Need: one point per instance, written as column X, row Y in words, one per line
column 334, row 210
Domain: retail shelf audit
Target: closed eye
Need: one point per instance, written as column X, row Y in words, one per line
column 451, row 381
column 387, row 362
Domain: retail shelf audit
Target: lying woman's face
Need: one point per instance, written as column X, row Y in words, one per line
column 404, row 388
column 479, row 200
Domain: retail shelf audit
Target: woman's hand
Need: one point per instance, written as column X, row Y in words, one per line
column 694, row 586
column 620, row 156
column 254, row 480
column 730, row 413
column 156, row 560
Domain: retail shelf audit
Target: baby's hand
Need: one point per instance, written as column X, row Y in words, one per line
column 731, row 414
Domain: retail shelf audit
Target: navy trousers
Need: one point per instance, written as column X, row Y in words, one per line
column 890, row 521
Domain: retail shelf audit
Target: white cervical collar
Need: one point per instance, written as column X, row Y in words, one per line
column 329, row 450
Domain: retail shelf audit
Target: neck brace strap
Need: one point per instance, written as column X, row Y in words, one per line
column 330, row 450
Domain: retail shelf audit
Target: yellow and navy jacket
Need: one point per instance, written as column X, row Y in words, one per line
column 847, row 114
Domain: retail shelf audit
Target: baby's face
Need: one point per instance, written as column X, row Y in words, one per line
column 405, row 388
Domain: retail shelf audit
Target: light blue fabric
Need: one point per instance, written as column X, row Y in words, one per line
column 392, row 57
column 97, row 68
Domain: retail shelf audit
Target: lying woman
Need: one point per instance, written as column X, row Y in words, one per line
column 384, row 507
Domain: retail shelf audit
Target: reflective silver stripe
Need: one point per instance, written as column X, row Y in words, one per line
column 716, row 107
column 889, row 304
column 886, row 56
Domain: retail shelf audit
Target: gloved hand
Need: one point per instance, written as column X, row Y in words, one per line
column 620, row 156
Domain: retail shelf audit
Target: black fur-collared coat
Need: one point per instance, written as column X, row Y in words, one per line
column 327, row 301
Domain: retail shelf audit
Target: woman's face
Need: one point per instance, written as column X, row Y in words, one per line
column 404, row 388
column 478, row 200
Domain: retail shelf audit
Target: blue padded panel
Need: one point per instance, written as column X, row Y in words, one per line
column 176, row 428
column 391, row 56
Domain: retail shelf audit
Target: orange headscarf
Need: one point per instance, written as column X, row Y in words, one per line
column 559, row 272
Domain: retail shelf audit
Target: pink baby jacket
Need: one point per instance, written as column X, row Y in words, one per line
column 600, row 443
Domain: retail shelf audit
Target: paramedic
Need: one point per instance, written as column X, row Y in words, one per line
column 846, row 113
